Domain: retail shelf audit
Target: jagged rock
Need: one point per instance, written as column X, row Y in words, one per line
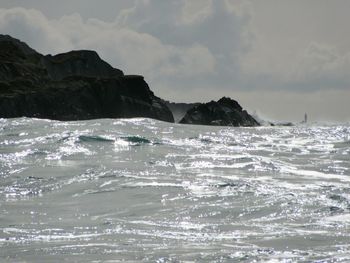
column 71, row 86
column 225, row 112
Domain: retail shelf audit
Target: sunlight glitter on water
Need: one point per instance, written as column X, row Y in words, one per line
column 143, row 190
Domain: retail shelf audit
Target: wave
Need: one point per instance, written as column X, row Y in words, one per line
column 94, row 138
column 136, row 140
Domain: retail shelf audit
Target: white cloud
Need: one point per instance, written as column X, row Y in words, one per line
column 132, row 51
column 33, row 27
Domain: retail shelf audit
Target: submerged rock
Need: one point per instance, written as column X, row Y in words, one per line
column 71, row 86
column 224, row 112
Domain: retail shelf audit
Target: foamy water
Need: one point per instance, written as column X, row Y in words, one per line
column 144, row 190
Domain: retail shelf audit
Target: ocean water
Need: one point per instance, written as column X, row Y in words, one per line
column 142, row 190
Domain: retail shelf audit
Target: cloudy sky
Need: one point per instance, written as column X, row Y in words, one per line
column 281, row 58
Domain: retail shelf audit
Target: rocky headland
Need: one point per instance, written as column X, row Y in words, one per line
column 79, row 85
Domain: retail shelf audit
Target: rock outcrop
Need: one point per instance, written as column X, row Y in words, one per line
column 76, row 85
column 224, row 112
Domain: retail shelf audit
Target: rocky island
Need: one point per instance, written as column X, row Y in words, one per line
column 224, row 112
column 79, row 85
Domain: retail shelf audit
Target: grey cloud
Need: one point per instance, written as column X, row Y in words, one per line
column 223, row 30
column 220, row 27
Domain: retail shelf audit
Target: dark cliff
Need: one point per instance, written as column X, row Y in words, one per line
column 224, row 112
column 70, row 86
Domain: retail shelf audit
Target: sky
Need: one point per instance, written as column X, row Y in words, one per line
column 278, row 58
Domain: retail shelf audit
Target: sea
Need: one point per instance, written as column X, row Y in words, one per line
column 142, row 190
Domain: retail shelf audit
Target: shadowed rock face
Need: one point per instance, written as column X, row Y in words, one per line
column 225, row 112
column 71, row 86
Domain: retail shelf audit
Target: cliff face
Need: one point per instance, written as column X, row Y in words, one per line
column 70, row 86
column 224, row 112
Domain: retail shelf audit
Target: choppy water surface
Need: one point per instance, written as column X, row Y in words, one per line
column 143, row 190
